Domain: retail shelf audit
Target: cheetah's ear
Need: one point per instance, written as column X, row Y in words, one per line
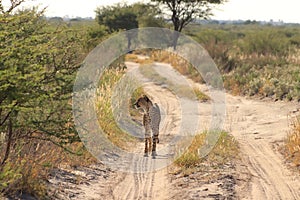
column 146, row 98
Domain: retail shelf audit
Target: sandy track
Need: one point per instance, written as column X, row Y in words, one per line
column 258, row 126
column 156, row 184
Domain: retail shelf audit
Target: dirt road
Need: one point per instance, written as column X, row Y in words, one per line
column 259, row 126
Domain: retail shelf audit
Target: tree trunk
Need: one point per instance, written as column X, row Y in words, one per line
column 175, row 39
column 176, row 23
column 9, row 140
column 129, row 43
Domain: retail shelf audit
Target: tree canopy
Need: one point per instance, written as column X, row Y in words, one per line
column 183, row 12
column 118, row 17
column 126, row 17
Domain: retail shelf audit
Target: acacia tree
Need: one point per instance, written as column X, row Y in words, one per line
column 183, row 12
column 125, row 17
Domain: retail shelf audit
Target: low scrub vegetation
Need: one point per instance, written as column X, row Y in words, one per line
column 258, row 60
column 255, row 60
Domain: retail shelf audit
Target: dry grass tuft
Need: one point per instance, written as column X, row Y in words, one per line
column 131, row 58
column 134, row 113
column 143, row 60
column 202, row 97
column 224, row 151
column 28, row 170
column 293, row 143
column 180, row 64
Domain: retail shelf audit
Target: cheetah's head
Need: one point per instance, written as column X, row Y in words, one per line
column 143, row 102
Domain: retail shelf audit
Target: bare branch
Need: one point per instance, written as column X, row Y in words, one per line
column 13, row 5
column 55, row 143
column 1, row 7
column 8, row 114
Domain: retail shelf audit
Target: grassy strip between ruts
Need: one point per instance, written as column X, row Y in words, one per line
column 225, row 150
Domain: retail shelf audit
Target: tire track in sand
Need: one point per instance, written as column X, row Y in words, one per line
column 257, row 125
column 153, row 184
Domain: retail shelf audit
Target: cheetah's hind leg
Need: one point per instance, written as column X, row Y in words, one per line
column 146, row 147
column 154, row 154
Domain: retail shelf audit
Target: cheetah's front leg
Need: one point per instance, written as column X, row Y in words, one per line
column 148, row 145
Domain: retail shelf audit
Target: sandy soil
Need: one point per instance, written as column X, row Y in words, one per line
column 259, row 126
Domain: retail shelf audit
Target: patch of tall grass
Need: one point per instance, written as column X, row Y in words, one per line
column 106, row 118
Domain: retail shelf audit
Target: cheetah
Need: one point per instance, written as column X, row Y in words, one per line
column 151, row 121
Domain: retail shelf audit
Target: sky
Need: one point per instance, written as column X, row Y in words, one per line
column 262, row 10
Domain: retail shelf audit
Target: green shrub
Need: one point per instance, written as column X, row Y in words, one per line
column 264, row 42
